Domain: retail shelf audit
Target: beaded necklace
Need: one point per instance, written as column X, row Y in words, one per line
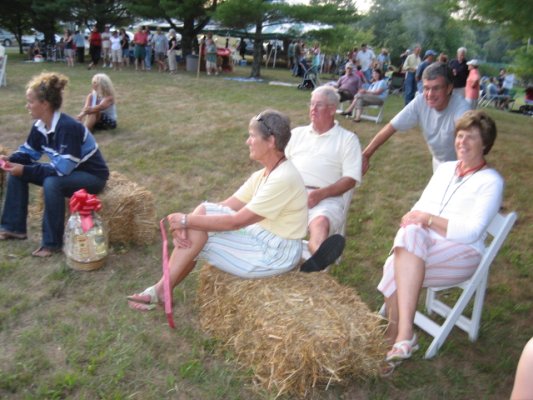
column 458, row 177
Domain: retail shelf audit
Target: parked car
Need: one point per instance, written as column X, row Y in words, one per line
column 6, row 38
column 28, row 40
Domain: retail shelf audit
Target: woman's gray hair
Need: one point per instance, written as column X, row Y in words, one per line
column 329, row 93
column 436, row 70
column 272, row 122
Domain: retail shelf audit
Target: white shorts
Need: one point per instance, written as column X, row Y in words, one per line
column 332, row 208
column 250, row 252
column 447, row 263
column 116, row 55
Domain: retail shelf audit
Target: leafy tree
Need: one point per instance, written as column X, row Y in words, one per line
column 195, row 15
column 399, row 24
column 46, row 14
column 260, row 13
column 100, row 13
column 513, row 15
column 16, row 17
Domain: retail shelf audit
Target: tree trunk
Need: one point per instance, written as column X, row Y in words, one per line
column 258, row 50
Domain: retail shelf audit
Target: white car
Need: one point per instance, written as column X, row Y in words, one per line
column 6, row 38
column 28, row 40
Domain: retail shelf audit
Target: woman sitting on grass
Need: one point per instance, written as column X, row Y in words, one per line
column 441, row 240
column 257, row 232
column 75, row 163
column 99, row 110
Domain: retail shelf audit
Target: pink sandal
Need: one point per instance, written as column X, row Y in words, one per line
column 402, row 350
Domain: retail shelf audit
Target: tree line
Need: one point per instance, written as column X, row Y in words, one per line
column 492, row 30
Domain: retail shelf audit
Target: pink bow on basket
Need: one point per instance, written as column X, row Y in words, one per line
column 84, row 204
column 166, row 276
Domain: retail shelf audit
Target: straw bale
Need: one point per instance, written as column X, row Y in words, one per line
column 296, row 331
column 128, row 211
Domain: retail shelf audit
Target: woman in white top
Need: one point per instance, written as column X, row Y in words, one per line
column 99, row 111
column 441, row 240
column 256, row 232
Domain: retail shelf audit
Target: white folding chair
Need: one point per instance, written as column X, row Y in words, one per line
column 3, row 64
column 377, row 118
column 347, row 198
column 499, row 228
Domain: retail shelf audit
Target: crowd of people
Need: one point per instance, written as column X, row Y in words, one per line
column 113, row 49
column 305, row 171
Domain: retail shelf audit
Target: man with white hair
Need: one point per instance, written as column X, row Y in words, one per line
column 460, row 71
column 329, row 159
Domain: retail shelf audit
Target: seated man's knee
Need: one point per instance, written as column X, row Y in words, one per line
column 320, row 223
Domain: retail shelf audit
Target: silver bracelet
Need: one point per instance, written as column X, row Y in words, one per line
column 183, row 221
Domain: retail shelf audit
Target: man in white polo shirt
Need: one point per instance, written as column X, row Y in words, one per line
column 329, row 159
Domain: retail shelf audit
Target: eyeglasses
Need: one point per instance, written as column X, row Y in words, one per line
column 319, row 104
column 259, row 118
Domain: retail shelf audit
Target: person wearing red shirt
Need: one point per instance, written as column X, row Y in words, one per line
column 95, row 47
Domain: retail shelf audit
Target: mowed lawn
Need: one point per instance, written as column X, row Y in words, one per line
column 69, row 334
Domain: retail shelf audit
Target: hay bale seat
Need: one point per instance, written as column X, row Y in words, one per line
column 296, row 331
column 128, row 210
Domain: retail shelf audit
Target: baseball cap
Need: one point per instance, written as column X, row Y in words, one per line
column 430, row 53
column 473, row 62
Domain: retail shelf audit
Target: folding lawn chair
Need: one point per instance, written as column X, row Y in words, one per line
column 3, row 64
column 310, row 77
column 396, row 83
column 499, row 228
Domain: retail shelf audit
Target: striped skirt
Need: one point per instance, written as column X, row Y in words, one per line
column 447, row 263
column 250, row 252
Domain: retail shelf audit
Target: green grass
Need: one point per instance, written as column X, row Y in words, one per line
column 67, row 334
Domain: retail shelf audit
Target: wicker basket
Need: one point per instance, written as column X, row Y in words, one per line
column 88, row 266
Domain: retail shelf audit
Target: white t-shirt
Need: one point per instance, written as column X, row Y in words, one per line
column 115, row 43
column 364, row 58
column 323, row 159
column 280, row 198
column 106, row 43
column 438, row 127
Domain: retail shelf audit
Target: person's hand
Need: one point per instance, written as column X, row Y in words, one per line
column 13, row 168
column 314, row 197
column 179, row 233
column 415, row 218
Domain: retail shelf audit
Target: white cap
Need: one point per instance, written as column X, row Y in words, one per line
column 473, row 62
